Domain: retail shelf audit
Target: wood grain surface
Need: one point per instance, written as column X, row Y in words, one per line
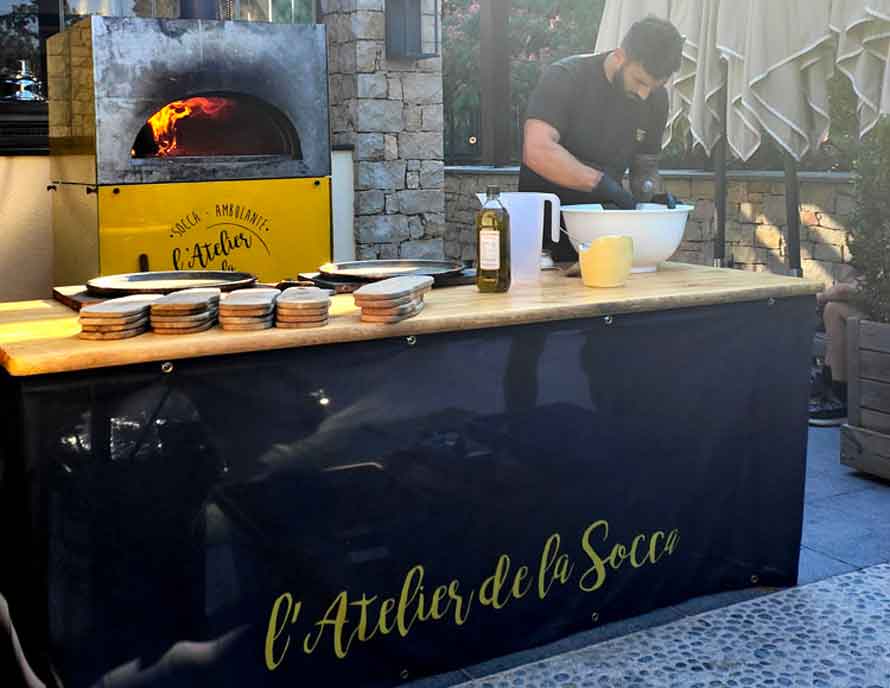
column 40, row 336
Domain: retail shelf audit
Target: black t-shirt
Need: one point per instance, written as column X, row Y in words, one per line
column 597, row 123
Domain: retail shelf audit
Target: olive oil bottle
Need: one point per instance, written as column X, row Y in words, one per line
column 493, row 244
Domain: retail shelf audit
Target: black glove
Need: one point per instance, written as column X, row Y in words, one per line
column 667, row 199
column 610, row 191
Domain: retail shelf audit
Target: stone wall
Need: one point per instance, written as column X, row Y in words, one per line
column 755, row 223
column 391, row 112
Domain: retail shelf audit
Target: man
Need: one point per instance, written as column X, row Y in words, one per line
column 828, row 403
column 593, row 116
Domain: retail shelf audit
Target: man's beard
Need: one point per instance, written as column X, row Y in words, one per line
column 622, row 88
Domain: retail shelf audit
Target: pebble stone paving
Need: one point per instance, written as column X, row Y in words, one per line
column 834, row 633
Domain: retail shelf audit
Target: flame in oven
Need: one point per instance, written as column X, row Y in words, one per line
column 164, row 123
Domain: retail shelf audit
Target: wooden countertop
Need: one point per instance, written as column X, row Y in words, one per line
column 39, row 337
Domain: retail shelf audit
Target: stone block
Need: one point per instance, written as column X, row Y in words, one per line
column 414, row 165
column 368, row 56
column 452, row 249
column 366, row 252
column 369, row 202
column 749, row 212
column 394, row 88
column 745, row 254
column 371, row 85
column 422, row 89
column 412, row 180
column 828, row 253
column 423, row 248
column 768, row 236
column 421, row 146
column 819, row 196
column 378, row 116
column 435, row 225
column 819, row 271
column 830, row 221
column 823, row 235
column 736, row 192
column 369, row 25
column 389, row 175
column 704, row 210
column 415, row 227
column 701, row 188
column 389, row 251
column 737, row 233
column 433, row 118
column 692, row 231
column 391, row 147
column 432, row 174
column 369, row 147
column 808, row 216
column 774, row 210
column 380, row 229
column 347, row 59
column 412, row 117
column 681, row 188
column 468, row 252
column 414, row 202
column 392, row 203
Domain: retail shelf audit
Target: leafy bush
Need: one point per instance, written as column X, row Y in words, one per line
column 869, row 229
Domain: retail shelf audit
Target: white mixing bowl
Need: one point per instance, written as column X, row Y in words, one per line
column 656, row 230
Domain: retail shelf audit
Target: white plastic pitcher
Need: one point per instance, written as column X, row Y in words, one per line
column 526, row 211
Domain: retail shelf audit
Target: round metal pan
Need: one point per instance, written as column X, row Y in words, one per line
column 373, row 270
column 166, row 282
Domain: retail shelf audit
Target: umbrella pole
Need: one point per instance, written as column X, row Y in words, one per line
column 792, row 212
column 720, row 183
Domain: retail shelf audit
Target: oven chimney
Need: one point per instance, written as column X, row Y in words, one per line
column 198, row 9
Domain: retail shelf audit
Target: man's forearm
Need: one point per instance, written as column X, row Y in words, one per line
column 553, row 162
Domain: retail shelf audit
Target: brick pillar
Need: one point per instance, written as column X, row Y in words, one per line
column 391, row 111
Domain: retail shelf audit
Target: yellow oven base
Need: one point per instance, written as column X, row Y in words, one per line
column 270, row 228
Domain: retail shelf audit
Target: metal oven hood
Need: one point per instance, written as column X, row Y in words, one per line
column 108, row 75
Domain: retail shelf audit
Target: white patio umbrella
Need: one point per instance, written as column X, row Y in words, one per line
column 789, row 59
column 863, row 48
column 706, row 113
column 778, row 55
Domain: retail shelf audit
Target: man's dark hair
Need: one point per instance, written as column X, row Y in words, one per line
column 656, row 44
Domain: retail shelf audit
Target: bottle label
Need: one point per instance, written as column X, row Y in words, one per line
column 489, row 250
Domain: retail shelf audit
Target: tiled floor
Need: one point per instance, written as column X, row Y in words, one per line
column 846, row 521
column 834, row 633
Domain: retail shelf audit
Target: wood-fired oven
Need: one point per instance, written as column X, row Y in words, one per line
column 188, row 144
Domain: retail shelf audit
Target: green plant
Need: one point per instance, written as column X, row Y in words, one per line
column 869, row 230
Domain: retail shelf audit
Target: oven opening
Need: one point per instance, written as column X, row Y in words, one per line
column 217, row 124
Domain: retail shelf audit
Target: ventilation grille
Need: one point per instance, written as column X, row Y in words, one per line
column 24, row 129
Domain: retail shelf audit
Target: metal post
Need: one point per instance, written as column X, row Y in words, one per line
column 720, row 180
column 792, row 212
column 494, row 78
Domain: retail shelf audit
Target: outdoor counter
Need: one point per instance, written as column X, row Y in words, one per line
column 37, row 337
column 361, row 505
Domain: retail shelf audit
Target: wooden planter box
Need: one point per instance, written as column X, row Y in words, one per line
column 865, row 440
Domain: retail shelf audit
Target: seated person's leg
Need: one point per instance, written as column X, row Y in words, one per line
column 831, row 409
column 12, row 660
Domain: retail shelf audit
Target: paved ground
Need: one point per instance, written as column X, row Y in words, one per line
column 846, row 520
